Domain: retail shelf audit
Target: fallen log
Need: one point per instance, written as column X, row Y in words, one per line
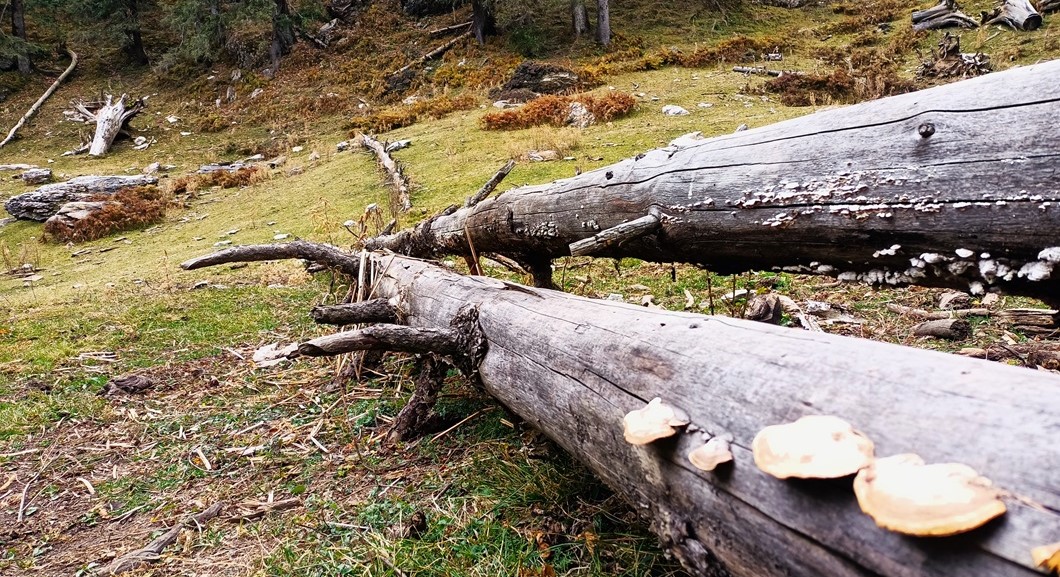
column 400, row 198
column 886, row 192
column 763, row 71
column 440, row 50
column 573, row 367
column 946, row 14
column 40, row 101
column 110, row 118
column 1016, row 14
column 44, row 202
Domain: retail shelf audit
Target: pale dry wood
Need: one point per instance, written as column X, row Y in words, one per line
column 935, row 315
column 952, row 328
column 40, row 101
column 1016, row 14
column 946, row 14
column 398, row 181
column 432, row 54
column 791, row 197
column 574, row 367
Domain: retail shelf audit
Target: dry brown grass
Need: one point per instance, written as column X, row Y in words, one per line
column 553, row 110
column 408, row 114
column 127, row 209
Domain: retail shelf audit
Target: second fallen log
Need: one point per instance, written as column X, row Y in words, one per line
column 886, row 192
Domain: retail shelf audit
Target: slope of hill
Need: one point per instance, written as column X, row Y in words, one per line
column 298, row 459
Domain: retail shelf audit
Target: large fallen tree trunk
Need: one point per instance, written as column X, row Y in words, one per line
column 44, row 202
column 574, row 367
column 955, row 186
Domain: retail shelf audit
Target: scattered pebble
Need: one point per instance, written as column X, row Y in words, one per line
column 280, row 236
column 674, row 110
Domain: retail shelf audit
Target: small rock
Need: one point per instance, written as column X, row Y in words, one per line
column 295, row 171
column 990, row 299
column 172, row 119
column 578, row 115
column 36, row 176
column 152, row 168
column 705, row 105
column 615, row 297
column 222, row 243
column 185, row 133
column 344, row 145
column 280, row 236
column 737, row 294
column 140, row 140
column 233, row 231
column 741, row 128
column 314, row 156
column 638, row 287
column 674, row 110
column 412, row 100
column 506, row 104
column 257, row 92
column 200, row 284
column 297, row 149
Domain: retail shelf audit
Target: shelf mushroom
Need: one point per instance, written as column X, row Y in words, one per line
column 1047, row 557
column 711, row 454
column 656, row 420
column 813, row 447
column 903, row 494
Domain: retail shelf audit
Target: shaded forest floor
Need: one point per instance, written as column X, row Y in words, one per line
column 296, row 457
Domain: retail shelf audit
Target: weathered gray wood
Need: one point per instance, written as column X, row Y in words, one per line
column 952, row 329
column 109, row 119
column 573, row 367
column 888, row 191
column 42, row 203
column 944, row 15
column 384, row 338
column 370, row 311
column 398, row 181
column 615, row 235
column 40, row 101
column 1016, row 14
column 490, row 185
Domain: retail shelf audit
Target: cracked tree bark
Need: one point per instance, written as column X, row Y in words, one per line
column 573, row 367
column 889, row 191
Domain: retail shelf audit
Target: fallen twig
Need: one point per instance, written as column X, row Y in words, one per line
column 937, row 315
column 151, row 552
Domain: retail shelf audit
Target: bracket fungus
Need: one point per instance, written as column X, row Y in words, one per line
column 1047, row 557
column 903, row 494
column 813, row 447
column 656, row 420
column 711, row 454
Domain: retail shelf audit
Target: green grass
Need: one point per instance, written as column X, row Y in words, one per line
column 497, row 498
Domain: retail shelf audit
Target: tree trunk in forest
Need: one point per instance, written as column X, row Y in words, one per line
column 572, row 367
column 1017, row 14
column 18, row 30
column 282, row 33
column 888, row 192
column 579, row 17
column 134, row 42
column 482, row 21
column 603, row 22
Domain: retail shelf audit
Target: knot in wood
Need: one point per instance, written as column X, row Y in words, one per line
column 609, row 175
column 471, row 339
column 926, row 129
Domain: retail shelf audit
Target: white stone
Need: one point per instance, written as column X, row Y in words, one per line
column 674, row 110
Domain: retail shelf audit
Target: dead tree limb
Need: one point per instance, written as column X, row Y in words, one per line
column 431, row 55
column 573, row 367
column 398, row 181
column 153, row 550
column 448, row 29
column 886, row 192
column 946, row 14
column 370, row 311
column 40, row 101
column 490, row 185
column 761, row 70
column 1016, row 14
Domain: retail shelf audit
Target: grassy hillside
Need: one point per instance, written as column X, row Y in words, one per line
column 94, row 476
